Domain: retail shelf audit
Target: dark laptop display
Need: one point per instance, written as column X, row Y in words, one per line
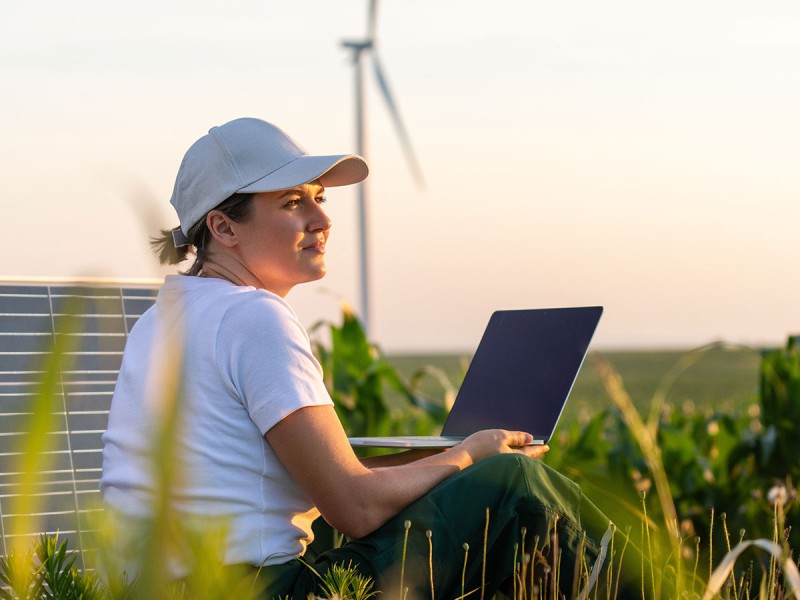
column 523, row 371
column 519, row 379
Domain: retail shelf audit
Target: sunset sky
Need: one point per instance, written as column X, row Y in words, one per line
column 639, row 155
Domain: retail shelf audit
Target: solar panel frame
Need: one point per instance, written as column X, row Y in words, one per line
column 32, row 314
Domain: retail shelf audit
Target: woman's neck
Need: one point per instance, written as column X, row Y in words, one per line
column 237, row 274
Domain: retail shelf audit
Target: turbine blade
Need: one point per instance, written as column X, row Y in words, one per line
column 372, row 18
column 394, row 112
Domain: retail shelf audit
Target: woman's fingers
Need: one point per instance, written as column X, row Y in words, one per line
column 534, row 451
column 500, row 441
column 519, row 441
column 518, row 438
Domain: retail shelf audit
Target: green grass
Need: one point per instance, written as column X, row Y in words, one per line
column 690, row 465
column 58, row 578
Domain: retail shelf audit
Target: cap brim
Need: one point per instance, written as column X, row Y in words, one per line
column 332, row 171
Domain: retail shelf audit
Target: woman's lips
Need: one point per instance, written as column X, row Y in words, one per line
column 318, row 247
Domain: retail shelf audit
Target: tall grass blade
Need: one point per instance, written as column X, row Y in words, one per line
column 523, row 564
column 485, row 545
column 728, row 546
column 608, row 536
column 429, row 535
column 164, row 538
column 643, row 496
column 647, row 442
column 406, row 527
column 464, row 568
column 711, row 544
column 723, row 571
column 620, row 562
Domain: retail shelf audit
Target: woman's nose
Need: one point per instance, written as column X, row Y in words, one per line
column 320, row 221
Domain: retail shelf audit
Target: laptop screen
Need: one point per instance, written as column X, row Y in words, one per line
column 523, row 371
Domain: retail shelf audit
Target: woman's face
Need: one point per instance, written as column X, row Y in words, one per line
column 283, row 242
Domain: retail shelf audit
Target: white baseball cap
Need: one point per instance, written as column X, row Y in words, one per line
column 249, row 156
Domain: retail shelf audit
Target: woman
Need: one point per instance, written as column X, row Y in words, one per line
column 260, row 443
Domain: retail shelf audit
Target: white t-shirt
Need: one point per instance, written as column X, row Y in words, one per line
column 246, row 363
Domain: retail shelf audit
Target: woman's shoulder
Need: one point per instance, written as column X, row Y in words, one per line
column 260, row 326
column 257, row 313
column 259, row 304
column 217, row 304
column 204, row 292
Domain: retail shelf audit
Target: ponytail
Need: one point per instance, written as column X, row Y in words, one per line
column 164, row 247
column 237, row 207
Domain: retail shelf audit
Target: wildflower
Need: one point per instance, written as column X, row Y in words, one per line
column 708, row 476
column 777, row 495
column 687, row 527
column 640, row 483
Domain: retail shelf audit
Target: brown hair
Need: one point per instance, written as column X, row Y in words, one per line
column 238, row 207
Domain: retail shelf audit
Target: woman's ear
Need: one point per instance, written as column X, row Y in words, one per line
column 219, row 225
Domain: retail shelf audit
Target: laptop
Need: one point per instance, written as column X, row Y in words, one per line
column 519, row 379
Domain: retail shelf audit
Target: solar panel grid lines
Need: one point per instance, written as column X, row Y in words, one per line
column 67, row 472
column 34, row 315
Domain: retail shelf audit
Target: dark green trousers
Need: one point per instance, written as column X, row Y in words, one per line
column 562, row 529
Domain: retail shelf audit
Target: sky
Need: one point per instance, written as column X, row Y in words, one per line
column 642, row 156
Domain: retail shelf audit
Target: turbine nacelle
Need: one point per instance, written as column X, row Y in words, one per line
column 358, row 47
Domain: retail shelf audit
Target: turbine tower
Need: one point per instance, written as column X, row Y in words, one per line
column 358, row 49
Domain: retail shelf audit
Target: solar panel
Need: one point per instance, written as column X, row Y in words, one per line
column 93, row 321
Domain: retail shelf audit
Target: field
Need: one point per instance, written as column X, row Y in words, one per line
column 712, row 470
column 718, row 378
column 714, row 464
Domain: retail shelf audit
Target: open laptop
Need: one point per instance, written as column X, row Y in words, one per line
column 519, row 379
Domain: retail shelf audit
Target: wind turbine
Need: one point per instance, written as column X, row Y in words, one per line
column 358, row 49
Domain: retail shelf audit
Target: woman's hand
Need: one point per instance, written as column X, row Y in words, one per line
column 499, row 441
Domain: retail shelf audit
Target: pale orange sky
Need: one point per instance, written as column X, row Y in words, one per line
column 642, row 156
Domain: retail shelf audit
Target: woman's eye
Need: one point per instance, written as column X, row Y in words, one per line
column 293, row 203
column 322, row 200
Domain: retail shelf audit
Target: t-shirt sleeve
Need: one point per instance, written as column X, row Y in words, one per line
column 265, row 355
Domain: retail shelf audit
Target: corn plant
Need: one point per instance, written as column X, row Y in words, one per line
column 704, row 472
column 357, row 376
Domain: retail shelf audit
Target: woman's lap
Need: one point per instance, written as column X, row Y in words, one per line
column 519, row 493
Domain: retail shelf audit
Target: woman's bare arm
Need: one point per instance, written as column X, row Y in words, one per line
column 357, row 499
column 397, row 458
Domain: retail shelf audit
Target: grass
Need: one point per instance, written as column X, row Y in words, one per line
column 702, row 390
column 673, row 556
